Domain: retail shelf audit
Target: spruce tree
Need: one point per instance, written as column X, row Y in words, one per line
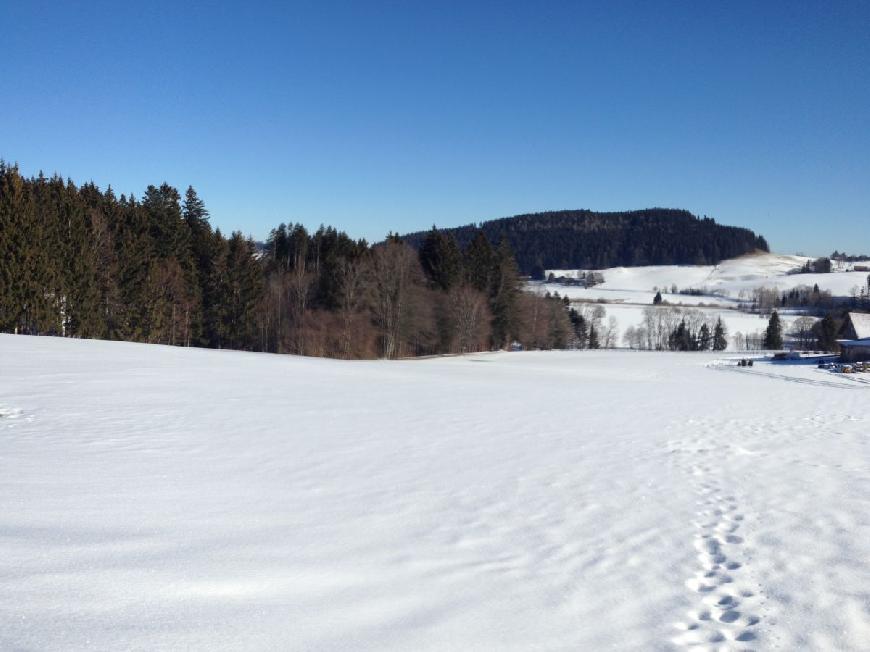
column 13, row 247
column 80, row 262
column 720, row 341
column 826, row 333
column 105, row 217
column 243, row 291
column 136, row 248
column 680, row 339
column 217, row 304
column 504, row 292
column 593, row 337
column 704, row 338
column 196, row 218
column 581, row 329
column 441, row 259
column 773, row 334
column 479, row 263
column 29, row 274
column 194, row 211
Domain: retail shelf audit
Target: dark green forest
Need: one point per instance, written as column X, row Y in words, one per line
column 77, row 261
column 582, row 239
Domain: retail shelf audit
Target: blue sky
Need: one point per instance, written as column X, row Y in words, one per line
column 379, row 116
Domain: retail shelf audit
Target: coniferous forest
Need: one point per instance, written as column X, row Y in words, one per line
column 76, row 261
column 582, row 239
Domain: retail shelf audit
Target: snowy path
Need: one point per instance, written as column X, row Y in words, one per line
column 155, row 498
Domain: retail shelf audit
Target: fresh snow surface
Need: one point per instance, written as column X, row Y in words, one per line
column 158, row 498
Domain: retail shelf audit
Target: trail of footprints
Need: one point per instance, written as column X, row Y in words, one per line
column 724, row 617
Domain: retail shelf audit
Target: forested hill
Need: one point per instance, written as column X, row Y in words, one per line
column 583, row 239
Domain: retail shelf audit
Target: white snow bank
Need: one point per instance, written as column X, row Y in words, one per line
column 159, row 498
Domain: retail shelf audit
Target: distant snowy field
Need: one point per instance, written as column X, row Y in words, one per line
column 726, row 279
column 627, row 290
column 158, row 498
column 628, row 315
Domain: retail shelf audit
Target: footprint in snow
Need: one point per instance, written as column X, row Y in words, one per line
column 9, row 413
column 724, row 617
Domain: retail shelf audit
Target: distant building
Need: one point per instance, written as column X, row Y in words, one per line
column 857, row 326
column 856, row 345
column 854, row 350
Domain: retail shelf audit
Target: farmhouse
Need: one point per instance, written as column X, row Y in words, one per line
column 857, row 326
column 855, row 350
column 856, row 346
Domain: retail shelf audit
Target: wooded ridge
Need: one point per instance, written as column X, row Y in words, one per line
column 584, row 239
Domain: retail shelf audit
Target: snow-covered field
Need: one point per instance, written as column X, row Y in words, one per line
column 628, row 315
column 160, row 498
column 726, row 279
column 598, row 295
column 627, row 290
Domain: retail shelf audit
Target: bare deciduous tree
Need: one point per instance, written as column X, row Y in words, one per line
column 394, row 265
column 300, row 282
column 468, row 310
column 802, row 331
column 351, row 296
column 611, row 333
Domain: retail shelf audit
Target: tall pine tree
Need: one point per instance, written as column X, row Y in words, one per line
column 720, row 340
column 504, row 292
column 773, row 334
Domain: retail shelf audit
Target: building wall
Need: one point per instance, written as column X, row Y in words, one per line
column 855, row 353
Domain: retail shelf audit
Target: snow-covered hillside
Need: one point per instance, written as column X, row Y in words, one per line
column 627, row 290
column 726, row 279
column 160, row 498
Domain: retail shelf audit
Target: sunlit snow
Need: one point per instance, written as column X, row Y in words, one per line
column 159, row 498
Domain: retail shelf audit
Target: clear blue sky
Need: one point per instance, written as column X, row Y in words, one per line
column 379, row 116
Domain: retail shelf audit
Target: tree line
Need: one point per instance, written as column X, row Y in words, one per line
column 81, row 262
column 846, row 258
column 583, row 239
column 672, row 328
column 765, row 300
column 821, row 265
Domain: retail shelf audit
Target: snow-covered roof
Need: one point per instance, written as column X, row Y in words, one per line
column 861, row 323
